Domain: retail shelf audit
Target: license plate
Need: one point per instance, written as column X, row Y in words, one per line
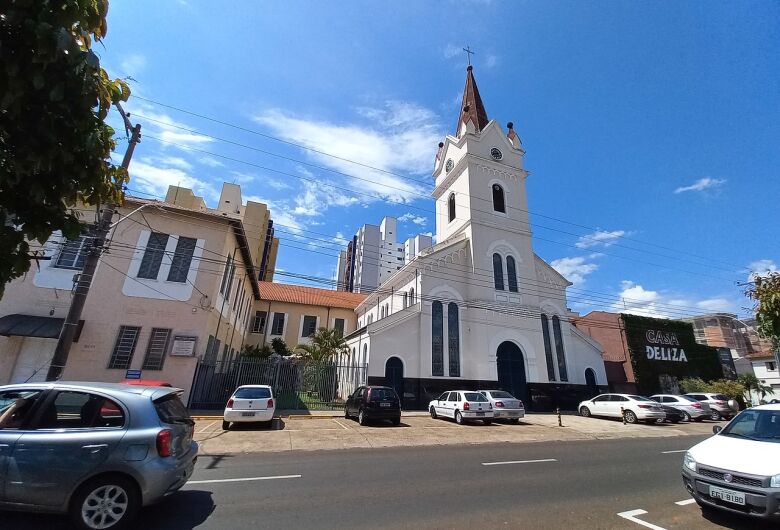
column 732, row 496
column 480, row 413
column 384, row 404
column 247, row 414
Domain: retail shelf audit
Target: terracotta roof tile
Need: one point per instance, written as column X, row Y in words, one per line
column 298, row 294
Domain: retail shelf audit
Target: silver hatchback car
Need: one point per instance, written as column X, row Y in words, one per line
column 97, row 451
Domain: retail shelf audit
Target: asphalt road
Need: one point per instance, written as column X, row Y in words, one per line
column 582, row 484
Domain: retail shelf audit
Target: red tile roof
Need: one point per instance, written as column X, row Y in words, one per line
column 298, row 294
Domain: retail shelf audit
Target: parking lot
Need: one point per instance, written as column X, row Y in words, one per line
column 418, row 429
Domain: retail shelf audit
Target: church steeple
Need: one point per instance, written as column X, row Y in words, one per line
column 473, row 117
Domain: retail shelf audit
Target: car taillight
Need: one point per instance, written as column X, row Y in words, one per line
column 645, row 406
column 271, row 402
column 466, row 406
column 500, row 404
column 164, row 442
column 230, row 403
column 697, row 405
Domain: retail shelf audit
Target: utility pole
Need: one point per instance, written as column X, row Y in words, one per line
column 84, row 279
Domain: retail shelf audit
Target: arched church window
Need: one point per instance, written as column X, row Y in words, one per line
column 511, row 274
column 406, row 299
column 453, row 338
column 498, row 199
column 498, row 272
column 451, row 207
column 548, row 355
column 437, row 339
column 559, row 348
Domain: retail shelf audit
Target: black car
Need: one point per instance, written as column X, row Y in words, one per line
column 673, row 415
column 373, row 403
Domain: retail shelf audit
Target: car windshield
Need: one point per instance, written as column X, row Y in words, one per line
column 475, row 396
column 379, row 394
column 252, row 393
column 170, row 409
column 760, row 425
column 639, row 398
column 501, row 394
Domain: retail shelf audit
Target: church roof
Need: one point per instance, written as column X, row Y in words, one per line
column 472, row 109
column 299, row 294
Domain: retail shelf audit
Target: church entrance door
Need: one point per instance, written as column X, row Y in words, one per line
column 394, row 376
column 511, row 371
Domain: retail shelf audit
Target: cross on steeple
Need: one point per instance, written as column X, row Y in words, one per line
column 469, row 53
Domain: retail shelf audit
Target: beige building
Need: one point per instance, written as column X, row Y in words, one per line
column 293, row 313
column 176, row 282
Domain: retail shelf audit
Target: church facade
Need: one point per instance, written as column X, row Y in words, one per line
column 479, row 309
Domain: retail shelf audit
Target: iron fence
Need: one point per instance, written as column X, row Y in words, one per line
column 297, row 384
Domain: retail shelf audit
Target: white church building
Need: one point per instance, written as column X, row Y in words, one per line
column 479, row 309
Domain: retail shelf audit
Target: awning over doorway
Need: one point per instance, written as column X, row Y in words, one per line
column 30, row 326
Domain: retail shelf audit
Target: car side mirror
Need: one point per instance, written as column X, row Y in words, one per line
column 716, row 429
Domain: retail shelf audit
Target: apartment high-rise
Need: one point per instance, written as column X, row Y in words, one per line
column 374, row 254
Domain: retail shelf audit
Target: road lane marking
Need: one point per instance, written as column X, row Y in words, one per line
column 676, row 451
column 337, row 422
column 247, row 479
column 631, row 516
column 518, row 462
column 206, row 428
column 685, row 502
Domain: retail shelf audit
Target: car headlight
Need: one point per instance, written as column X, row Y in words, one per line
column 774, row 482
column 689, row 462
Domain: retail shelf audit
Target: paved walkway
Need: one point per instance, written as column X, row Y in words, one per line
column 318, row 433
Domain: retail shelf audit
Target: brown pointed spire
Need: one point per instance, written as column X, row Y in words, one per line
column 472, row 108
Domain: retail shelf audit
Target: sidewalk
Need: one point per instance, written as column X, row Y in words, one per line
column 217, row 414
column 323, row 431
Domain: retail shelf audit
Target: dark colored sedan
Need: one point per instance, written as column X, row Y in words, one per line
column 673, row 415
column 373, row 403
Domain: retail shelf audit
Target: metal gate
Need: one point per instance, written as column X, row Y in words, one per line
column 297, row 384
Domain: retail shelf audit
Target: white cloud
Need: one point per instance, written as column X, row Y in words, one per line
column 210, row 161
column 175, row 161
column 162, row 126
column 490, row 61
column 452, row 50
column 340, row 239
column 702, row 184
column 762, row 267
column 132, row 65
column 317, row 197
column 401, row 139
column 416, row 219
column 637, row 300
column 574, row 269
column 600, row 238
column 154, row 176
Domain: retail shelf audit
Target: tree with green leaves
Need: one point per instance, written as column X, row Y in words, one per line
column 765, row 291
column 753, row 385
column 55, row 145
column 256, row 352
column 326, row 344
column 280, row 347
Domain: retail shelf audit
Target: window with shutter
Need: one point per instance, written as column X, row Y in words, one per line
column 150, row 263
column 182, row 258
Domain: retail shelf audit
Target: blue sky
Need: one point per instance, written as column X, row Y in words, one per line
column 650, row 128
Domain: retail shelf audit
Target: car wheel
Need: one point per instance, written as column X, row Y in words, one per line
column 108, row 502
column 487, row 422
column 396, row 421
column 225, row 425
column 458, row 417
column 715, row 415
column 433, row 413
column 687, row 417
column 585, row 412
column 362, row 420
column 629, row 416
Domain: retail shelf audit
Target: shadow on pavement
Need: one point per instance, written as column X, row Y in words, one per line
column 736, row 521
column 183, row 510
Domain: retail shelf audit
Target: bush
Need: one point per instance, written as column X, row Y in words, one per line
column 280, row 347
column 259, row 352
column 695, row 384
column 731, row 389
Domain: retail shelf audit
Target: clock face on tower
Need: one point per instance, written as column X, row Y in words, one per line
column 496, row 153
column 450, row 164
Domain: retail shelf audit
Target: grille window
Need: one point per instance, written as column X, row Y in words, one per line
column 182, row 258
column 124, row 347
column 73, row 252
column 437, row 339
column 150, row 263
column 453, row 336
column 309, row 326
column 155, row 351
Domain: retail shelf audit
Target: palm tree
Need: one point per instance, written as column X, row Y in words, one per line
column 754, row 384
column 325, row 344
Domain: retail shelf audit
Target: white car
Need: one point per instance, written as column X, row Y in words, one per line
column 693, row 409
column 505, row 405
column 249, row 403
column 738, row 469
column 612, row 405
column 462, row 405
